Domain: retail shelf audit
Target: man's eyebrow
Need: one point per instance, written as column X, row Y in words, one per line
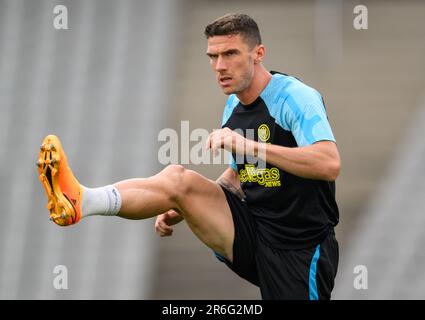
column 231, row 51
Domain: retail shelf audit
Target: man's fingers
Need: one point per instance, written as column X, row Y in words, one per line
column 160, row 225
column 210, row 139
column 163, row 226
column 166, row 233
column 164, row 229
column 221, row 139
column 216, row 142
column 208, row 143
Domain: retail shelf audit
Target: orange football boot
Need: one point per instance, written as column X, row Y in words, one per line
column 64, row 192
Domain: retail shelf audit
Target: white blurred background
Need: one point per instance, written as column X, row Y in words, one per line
column 124, row 70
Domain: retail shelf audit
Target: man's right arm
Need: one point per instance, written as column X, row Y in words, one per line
column 230, row 180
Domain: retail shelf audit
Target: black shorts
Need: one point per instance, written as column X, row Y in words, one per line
column 299, row 274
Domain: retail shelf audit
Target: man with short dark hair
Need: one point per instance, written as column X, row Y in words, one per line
column 272, row 224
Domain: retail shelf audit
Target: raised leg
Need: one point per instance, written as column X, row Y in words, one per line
column 201, row 202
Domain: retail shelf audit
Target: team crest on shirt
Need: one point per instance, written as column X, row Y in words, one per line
column 263, row 133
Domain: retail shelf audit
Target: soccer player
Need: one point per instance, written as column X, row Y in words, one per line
column 272, row 224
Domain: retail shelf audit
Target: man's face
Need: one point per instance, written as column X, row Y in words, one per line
column 232, row 61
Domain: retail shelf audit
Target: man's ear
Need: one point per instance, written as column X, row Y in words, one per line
column 260, row 52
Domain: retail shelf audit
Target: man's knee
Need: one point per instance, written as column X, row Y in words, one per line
column 177, row 180
column 173, row 169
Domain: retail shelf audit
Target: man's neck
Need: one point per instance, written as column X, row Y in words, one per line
column 258, row 83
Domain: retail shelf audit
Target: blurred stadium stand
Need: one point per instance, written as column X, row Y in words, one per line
column 389, row 237
column 100, row 87
column 125, row 70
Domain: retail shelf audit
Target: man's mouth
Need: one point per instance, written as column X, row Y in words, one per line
column 225, row 81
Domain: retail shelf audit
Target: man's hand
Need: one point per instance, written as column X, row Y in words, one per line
column 229, row 140
column 164, row 222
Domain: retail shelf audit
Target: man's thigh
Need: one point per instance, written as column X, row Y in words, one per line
column 205, row 209
column 245, row 240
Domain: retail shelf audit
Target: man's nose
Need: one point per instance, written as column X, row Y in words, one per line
column 221, row 64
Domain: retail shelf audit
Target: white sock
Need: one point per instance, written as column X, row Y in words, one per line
column 105, row 201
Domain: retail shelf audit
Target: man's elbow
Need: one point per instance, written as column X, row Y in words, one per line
column 333, row 170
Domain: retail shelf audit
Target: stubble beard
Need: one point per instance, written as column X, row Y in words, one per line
column 245, row 81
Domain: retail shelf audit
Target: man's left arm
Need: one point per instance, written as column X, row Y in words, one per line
column 319, row 160
column 315, row 157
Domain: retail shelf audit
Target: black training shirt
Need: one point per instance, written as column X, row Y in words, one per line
column 290, row 212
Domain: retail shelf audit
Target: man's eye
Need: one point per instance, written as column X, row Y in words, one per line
column 228, row 54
